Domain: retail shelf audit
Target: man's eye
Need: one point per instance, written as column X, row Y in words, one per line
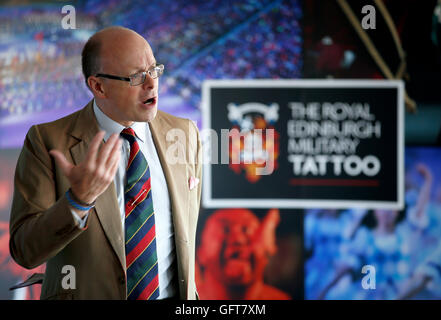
column 137, row 75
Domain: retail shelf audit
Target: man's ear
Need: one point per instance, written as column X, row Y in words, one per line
column 96, row 86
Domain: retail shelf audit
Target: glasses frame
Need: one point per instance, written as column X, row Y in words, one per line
column 132, row 77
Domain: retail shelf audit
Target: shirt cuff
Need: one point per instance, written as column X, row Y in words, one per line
column 81, row 222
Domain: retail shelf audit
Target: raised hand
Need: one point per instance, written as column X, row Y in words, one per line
column 90, row 178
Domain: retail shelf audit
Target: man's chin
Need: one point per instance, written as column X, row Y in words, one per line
column 147, row 115
column 152, row 115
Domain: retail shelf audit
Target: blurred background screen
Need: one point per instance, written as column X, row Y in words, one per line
column 310, row 254
column 41, row 77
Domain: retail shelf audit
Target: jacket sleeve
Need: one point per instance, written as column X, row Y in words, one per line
column 41, row 223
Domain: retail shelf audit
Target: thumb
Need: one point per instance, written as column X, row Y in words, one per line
column 62, row 162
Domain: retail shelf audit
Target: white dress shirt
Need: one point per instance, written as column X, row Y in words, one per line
column 165, row 245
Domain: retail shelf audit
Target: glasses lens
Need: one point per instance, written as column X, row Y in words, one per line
column 156, row 71
column 137, row 79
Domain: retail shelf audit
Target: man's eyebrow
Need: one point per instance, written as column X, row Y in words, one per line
column 140, row 69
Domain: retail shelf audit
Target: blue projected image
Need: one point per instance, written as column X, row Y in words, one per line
column 402, row 248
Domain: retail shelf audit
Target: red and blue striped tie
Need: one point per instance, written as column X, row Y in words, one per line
column 140, row 235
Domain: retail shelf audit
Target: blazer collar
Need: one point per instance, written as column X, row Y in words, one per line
column 85, row 126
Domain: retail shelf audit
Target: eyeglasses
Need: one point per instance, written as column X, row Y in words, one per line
column 155, row 71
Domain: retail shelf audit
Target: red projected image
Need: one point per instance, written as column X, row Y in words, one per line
column 11, row 269
column 11, row 273
column 234, row 254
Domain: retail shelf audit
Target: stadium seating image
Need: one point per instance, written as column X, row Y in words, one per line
column 41, row 79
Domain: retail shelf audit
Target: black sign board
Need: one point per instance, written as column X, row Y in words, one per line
column 303, row 143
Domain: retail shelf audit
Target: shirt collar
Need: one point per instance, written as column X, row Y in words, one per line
column 110, row 126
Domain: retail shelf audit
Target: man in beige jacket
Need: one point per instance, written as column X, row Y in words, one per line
column 68, row 206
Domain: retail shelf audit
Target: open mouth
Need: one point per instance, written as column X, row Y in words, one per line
column 236, row 253
column 150, row 101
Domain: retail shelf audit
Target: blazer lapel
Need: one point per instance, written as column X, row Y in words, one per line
column 106, row 207
column 177, row 183
column 175, row 175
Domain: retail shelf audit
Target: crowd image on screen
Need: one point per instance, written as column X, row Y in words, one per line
column 402, row 246
column 196, row 40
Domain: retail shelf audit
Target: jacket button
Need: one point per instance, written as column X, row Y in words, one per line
column 122, row 280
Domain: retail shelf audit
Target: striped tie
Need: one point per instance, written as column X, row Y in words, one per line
column 141, row 258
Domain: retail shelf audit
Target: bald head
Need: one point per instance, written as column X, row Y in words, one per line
column 116, row 63
column 109, row 46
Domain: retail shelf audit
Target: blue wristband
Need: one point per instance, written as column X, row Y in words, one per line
column 75, row 204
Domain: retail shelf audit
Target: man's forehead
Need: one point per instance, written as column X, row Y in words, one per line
column 141, row 62
column 131, row 60
column 123, row 47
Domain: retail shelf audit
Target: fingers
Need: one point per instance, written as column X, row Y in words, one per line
column 107, row 161
column 62, row 162
column 114, row 166
column 105, row 152
column 92, row 153
column 115, row 152
column 91, row 178
column 112, row 163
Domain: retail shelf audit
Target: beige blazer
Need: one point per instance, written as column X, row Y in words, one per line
column 42, row 228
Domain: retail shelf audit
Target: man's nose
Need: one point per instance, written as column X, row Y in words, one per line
column 149, row 83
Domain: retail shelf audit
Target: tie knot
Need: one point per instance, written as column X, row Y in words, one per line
column 129, row 131
column 129, row 135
